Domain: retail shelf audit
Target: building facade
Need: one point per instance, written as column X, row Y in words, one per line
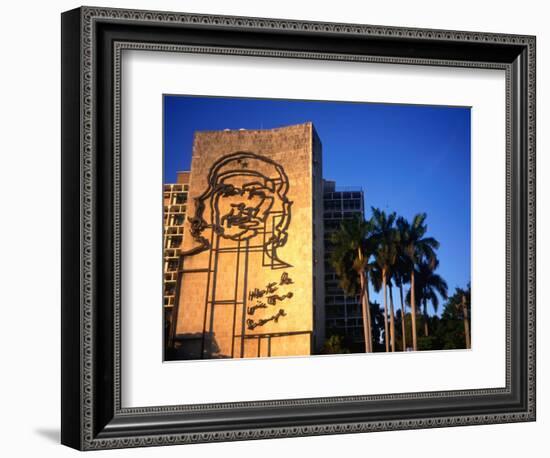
column 343, row 313
column 175, row 207
column 250, row 277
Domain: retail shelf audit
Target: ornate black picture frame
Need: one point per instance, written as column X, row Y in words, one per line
column 92, row 41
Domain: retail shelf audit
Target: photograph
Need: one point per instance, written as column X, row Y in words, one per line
column 287, row 223
column 314, row 227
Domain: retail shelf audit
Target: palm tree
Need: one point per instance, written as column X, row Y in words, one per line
column 429, row 287
column 465, row 301
column 415, row 247
column 386, row 257
column 401, row 276
column 352, row 247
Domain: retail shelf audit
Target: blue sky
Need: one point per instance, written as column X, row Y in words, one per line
column 407, row 158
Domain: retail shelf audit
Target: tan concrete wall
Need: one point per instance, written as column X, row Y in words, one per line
column 183, row 177
column 216, row 283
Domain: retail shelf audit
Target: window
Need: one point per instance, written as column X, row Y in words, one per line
column 181, row 198
column 175, row 242
column 170, row 290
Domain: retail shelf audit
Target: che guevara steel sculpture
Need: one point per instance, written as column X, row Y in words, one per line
column 238, row 210
column 246, row 204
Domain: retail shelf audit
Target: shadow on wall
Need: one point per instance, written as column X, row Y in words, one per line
column 52, row 435
column 192, row 345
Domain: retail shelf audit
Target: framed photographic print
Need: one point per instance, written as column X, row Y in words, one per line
column 278, row 228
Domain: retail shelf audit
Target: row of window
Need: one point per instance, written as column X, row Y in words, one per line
column 169, row 301
column 174, row 220
column 343, row 204
column 173, row 241
column 340, row 299
column 169, row 289
column 338, row 195
column 342, row 323
column 176, row 198
column 175, row 208
column 172, row 265
column 332, row 220
column 176, row 187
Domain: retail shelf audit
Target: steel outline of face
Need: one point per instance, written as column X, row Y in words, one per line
column 239, row 164
column 241, row 210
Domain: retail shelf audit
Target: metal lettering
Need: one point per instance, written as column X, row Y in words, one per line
column 251, row 324
column 285, row 279
column 259, row 305
column 272, row 300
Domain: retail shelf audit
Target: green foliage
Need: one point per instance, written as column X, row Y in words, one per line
column 352, row 248
column 451, row 328
column 377, row 317
column 414, row 245
column 427, row 343
column 387, row 240
column 394, row 246
column 428, row 285
column 334, row 345
column 447, row 332
column 453, row 309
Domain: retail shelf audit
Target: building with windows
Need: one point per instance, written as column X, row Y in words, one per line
column 175, row 206
column 342, row 312
column 246, row 243
column 248, row 279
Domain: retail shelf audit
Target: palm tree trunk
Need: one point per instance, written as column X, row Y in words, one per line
column 369, row 318
column 466, row 322
column 426, row 333
column 392, row 319
column 413, row 311
column 365, row 305
column 366, row 324
column 403, row 334
column 385, row 312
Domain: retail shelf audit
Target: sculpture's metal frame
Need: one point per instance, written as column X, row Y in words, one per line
column 92, row 41
column 216, row 186
column 276, row 214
